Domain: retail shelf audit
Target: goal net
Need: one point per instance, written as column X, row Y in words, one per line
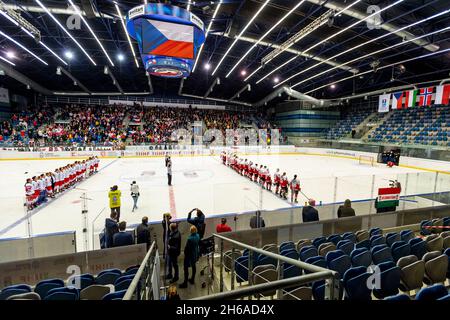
column 366, row 160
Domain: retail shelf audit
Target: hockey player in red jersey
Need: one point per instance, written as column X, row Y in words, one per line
column 295, row 188
column 284, row 186
column 276, row 180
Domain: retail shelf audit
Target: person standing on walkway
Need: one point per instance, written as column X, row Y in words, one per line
column 134, row 194
column 169, row 172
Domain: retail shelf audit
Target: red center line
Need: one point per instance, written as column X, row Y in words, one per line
column 173, row 208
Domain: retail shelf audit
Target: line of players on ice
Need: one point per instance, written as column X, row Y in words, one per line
column 39, row 188
column 261, row 175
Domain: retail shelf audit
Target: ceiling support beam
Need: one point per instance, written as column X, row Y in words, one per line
column 114, row 80
column 76, row 82
column 211, row 88
column 247, row 87
column 11, row 72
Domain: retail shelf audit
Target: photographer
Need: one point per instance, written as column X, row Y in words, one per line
column 198, row 221
column 134, row 189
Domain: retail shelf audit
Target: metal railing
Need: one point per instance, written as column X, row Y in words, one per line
column 316, row 273
column 141, row 285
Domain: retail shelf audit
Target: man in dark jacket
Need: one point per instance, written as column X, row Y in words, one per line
column 174, row 250
column 122, row 238
column 198, row 221
column 191, row 255
column 111, row 228
column 309, row 213
column 257, row 221
column 143, row 232
column 346, row 210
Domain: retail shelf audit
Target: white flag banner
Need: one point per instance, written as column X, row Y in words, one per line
column 383, row 105
column 4, row 96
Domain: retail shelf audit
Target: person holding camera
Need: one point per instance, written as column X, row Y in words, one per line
column 198, row 221
column 134, row 189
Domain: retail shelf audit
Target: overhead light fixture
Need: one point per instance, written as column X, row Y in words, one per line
column 65, row 31
column 317, row 23
column 126, row 33
column 333, row 86
column 240, row 35
column 375, row 64
column 33, row 36
column 23, row 47
column 243, row 73
column 10, row 54
column 58, row 71
column 68, row 54
column 276, row 80
column 6, row 60
column 383, row 67
column 91, row 31
column 120, row 57
column 189, row 5
column 341, row 31
column 206, row 35
column 264, row 36
column 207, row 66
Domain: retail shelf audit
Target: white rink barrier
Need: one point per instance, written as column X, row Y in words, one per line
column 150, row 151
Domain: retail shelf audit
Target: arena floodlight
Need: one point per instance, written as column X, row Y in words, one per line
column 10, row 54
column 401, row 43
column 264, row 36
column 91, row 31
column 6, row 60
column 32, row 36
column 65, row 30
column 206, row 35
column 341, row 31
column 240, row 35
column 383, row 67
column 126, row 33
column 23, row 47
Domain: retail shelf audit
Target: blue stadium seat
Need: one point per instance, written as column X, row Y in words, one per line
column 363, row 244
column 291, row 272
column 381, row 253
column 349, row 236
column 389, row 280
column 338, row 261
column 63, row 290
column 361, row 257
column 400, row 249
column 307, row 252
column 346, row 245
column 335, row 238
column 432, row 293
column 43, row 287
column 241, row 268
column 318, row 241
column 375, row 231
column 392, row 237
column 447, row 253
column 122, row 285
column 84, row 281
column 287, row 245
column 118, row 295
column 131, row 270
column 290, row 253
column 13, row 290
column 423, row 230
column 107, row 278
column 418, row 247
column 398, row 297
column 377, row 240
column 114, row 270
column 263, row 259
column 61, row 296
column 406, row 235
column 355, row 284
column 318, row 289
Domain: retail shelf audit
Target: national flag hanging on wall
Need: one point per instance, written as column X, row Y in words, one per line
column 410, row 98
column 442, row 94
column 384, row 100
column 388, row 197
column 425, row 96
column 397, row 100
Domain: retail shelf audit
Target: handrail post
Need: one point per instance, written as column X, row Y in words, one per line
column 221, row 266
column 332, row 288
column 280, row 277
column 250, row 269
column 232, row 267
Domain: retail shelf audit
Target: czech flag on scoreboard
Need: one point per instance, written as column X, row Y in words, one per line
column 168, row 39
column 397, row 100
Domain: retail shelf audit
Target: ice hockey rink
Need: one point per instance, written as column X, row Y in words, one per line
column 198, row 182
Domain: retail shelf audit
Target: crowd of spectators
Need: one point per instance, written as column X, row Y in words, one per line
column 79, row 125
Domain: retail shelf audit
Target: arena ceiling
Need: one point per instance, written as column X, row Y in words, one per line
column 339, row 51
